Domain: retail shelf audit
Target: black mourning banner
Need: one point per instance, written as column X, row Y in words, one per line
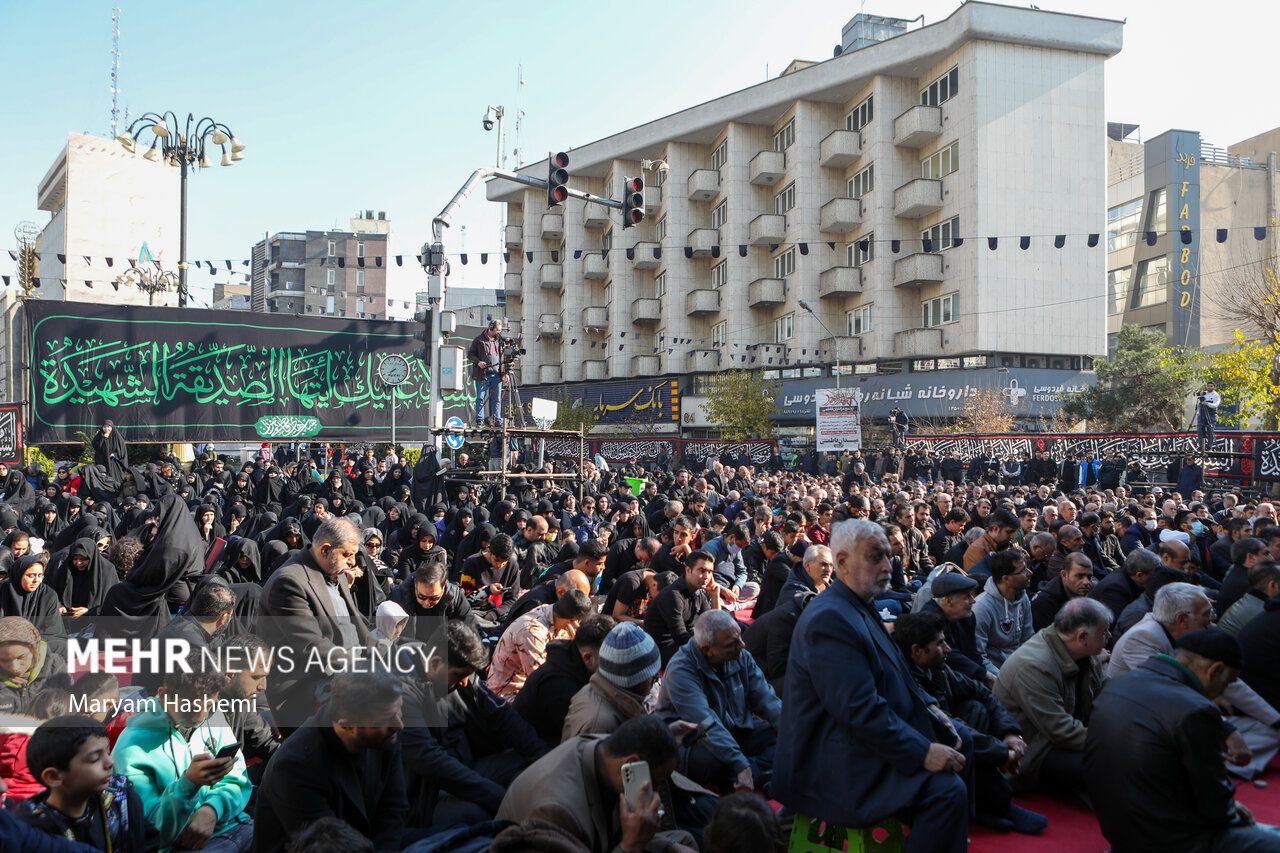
column 173, row 374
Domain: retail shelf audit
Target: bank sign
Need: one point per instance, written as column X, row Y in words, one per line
column 938, row 394
column 633, row 403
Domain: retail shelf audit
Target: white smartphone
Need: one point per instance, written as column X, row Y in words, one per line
column 635, row 774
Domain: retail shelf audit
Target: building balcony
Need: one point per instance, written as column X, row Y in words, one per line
column 917, row 198
column 704, row 184
column 512, row 328
column 768, row 167
column 912, row 342
column 770, row 353
column 596, row 317
column 513, row 236
column 652, row 198
column 839, row 215
column 840, row 148
column 701, row 240
column 594, row 265
column 646, row 365
column 844, row 348
column 838, row 282
column 594, row 215
column 766, row 292
column 701, row 302
column 917, row 269
column 917, row 126
column 549, row 325
column 552, row 226
column 643, row 255
column 549, row 374
column 645, row 310
column 596, row 368
column 705, row 358
column 551, row 276
column 513, row 284
column 768, row 229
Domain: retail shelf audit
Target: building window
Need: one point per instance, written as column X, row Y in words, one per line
column 660, row 285
column 720, row 155
column 719, row 332
column 948, row 364
column 858, row 320
column 330, row 276
column 860, row 116
column 659, row 178
column 860, row 251
column 359, row 278
column 863, row 182
column 783, row 327
column 1122, row 224
column 606, row 241
column 941, row 90
column 942, row 163
column 333, row 248
column 359, row 248
column 941, row 236
column 1113, row 343
column 940, row 310
column 785, row 200
column 608, row 294
column 784, row 264
column 1118, row 289
column 720, row 214
column 720, row 274
column 1152, row 286
column 974, row 361
column 923, row 364
column 1157, row 215
column 661, row 229
column 783, row 139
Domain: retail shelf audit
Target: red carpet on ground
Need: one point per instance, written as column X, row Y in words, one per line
column 1073, row 827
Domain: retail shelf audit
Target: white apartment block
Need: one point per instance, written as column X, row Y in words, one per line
column 987, row 123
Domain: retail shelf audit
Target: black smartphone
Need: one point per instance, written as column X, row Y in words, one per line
column 228, row 751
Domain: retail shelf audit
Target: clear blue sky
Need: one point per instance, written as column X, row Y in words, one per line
column 377, row 104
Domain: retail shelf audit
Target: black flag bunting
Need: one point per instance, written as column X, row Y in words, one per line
column 1093, row 241
column 62, row 259
column 1222, row 235
column 1059, row 241
column 992, row 242
column 1024, row 243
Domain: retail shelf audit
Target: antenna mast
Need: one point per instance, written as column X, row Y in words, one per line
column 115, row 71
column 519, row 112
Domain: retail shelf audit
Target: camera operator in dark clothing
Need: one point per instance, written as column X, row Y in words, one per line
column 485, row 355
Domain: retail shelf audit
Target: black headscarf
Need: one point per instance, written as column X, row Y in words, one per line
column 135, row 607
column 87, row 588
column 270, row 489
column 230, row 569
column 273, row 554
column 40, row 608
column 18, row 493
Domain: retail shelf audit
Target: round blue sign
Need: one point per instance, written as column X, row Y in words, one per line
column 454, row 440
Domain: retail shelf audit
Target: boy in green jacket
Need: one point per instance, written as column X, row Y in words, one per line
column 169, row 749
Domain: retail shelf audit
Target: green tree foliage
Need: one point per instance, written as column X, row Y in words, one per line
column 741, row 403
column 1245, row 374
column 1139, row 390
column 572, row 414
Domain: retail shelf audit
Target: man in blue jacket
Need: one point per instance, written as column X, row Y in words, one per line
column 859, row 741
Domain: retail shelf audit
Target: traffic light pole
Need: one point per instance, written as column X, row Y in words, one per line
column 433, row 261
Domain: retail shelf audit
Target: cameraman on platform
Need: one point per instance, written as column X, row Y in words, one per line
column 485, row 355
column 1207, row 402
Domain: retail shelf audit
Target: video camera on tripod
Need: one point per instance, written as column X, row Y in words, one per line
column 510, row 350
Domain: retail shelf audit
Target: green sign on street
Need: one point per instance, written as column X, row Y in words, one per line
column 287, row 426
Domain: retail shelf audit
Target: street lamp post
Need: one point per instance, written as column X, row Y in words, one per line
column 186, row 150
column 835, row 345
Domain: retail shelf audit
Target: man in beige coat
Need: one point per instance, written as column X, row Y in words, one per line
column 628, row 666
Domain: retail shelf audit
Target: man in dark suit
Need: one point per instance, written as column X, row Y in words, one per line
column 345, row 764
column 859, row 741
column 485, row 355
column 308, row 613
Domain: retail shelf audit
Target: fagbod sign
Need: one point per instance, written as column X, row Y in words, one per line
column 941, row 394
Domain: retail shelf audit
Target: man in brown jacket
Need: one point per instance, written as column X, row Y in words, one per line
column 577, row 788
column 627, row 667
column 1001, row 525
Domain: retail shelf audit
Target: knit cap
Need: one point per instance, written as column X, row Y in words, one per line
column 15, row 629
column 628, row 656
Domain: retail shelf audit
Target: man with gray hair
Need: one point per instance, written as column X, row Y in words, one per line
column 859, row 740
column 1179, row 609
column 307, row 612
column 1049, row 685
column 715, row 681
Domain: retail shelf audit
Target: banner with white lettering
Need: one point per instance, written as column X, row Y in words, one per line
column 839, row 416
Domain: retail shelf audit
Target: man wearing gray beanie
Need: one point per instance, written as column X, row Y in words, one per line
column 627, row 668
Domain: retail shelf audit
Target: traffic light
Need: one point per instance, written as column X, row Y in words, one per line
column 632, row 201
column 425, row 334
column 557, row 178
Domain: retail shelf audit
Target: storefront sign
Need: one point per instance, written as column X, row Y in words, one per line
column 838, row 419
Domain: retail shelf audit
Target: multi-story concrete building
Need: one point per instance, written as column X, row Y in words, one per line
column 105, row 202
column 846, row 185
column 324, row 273
column 228, row 296
column 1173, row 184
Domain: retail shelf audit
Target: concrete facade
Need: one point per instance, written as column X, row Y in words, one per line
column 1234, row 189
column 1022, row 116
column 320, row 272
column 105, row 202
